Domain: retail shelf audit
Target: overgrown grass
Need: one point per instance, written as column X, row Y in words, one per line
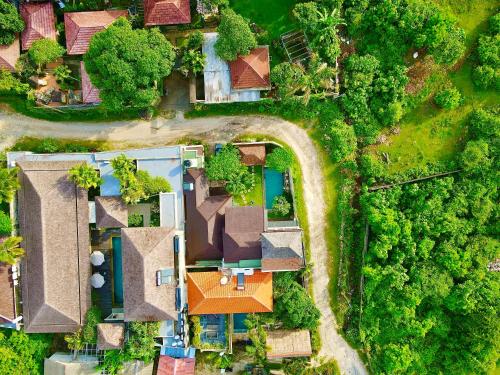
column 50, row 145
column 254, row 197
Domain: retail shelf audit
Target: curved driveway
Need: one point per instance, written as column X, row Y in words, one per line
column 211, row 129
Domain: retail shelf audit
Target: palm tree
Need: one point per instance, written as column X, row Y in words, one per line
column 84, row 176
column 329, row 20
column 10, row 251
column 8, row 184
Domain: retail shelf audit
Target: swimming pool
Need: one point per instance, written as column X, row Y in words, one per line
column 239, row 323
column 117, row 271
column 273, row 184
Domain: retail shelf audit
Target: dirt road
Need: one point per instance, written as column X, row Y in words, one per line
column 160, row 131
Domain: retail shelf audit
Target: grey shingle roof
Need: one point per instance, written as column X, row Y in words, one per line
column 282, row 250
column 111, row 212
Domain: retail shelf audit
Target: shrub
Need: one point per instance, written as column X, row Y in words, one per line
column 11, row 24
column 141, row 344
column 235, row 37
column 89, row 330
column 281, row 206
column 85, row 176
column 153, row 185
column 43, row 51
column 339, row 138
column 8, row 184
column 280, row 159
column 195, row 40
column 484, row 76
column 197, row 330
column 9, row 83
column 448, row 99
column 5, row 224
column 135, row 221
column 48, row 146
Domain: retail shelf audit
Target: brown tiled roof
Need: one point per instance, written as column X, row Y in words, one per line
column 110, row 336
column 206, row 294
column 81, row 26
column 166, row 12
column 242, row 230
column 7, row 302
column 9, row 55
column 253, row 154
column 55, row 272
column 145, row 251
column 111, row 212
column 282, row 251
column 40, row 22
column 204, row 219
column 251, row 71
column 90, row 93
column 288, row 344
column 175, row 366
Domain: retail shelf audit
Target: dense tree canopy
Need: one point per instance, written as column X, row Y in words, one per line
column 128, row 65
column 43, row 51
column 10, row 23
column 235, row 36
column 487, row 73
column 9, row 183
column 85, row 176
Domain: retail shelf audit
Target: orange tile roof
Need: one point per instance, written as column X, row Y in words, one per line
column 251, row 71
column 206, row 295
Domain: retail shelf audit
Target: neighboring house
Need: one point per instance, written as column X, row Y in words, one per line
column 283, row 344
column 90, row 93
column 239, row 81
column 252, row 154
column 282, row 250
column 55, row 271
column 9, row 55
column 204, row 218
column 110, row 336
column 217, row 293
column 111, row 212
column 81, row 26
column 175, row 366
column 8, row 313
column 149, row 280
column 166, row 12
column 40, row 22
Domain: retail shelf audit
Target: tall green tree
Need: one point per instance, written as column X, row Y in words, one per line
column 280, row 159
column 8, row 184
column 235, row 37
column 85, row 176
column 127, row 65
column 43, row 51
column 10, row 23
column 10, row 251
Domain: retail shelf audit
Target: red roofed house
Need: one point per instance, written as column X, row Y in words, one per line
column 40, row 23
column 251, row 72
column 81, row 26
column 90, row 93
column 166, row 12
column 9, row 55
column 175, row 366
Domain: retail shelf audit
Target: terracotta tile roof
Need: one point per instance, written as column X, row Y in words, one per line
column 253, row 154
column 9, row 55
column 175, row 366
column 206, row 295
column 7, row 307
column 241, row 237
column 110, row 336
column 90, row 93
column 111, row 212
column 146, row 251
column 282, row 251
column 54, row 223
column 288, row 344
column 81, row 26
column 204, row 219
column 251, row 71
column 40, row 22
column 166, row 12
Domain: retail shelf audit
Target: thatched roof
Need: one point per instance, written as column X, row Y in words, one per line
column 111, row 212
column 282, row 251
column 54, row 222
column 288, row 344
column 243, row 227
column 110, row 336
column 146, row 251
column 253, row 154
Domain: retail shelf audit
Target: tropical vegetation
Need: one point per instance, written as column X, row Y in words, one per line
column 85, row 176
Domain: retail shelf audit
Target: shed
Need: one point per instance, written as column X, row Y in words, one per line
column 288, row 344
column 253, row 154
column 110, row 336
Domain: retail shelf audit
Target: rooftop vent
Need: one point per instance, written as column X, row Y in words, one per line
column 224, row 280
column 165, row 276
column 241, row 281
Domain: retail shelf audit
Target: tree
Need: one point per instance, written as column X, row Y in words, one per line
column 449, row 98
column 153, row 185
column 85, row 176
column 280, row 159
column 9, row 83
column 5, row 224
column 131, row 188
column 112, row 362
column 225, row 164
column 127, row 65
column 281, row 206
column 8, row 184
column 43, row 51
column 141, row 344
column 475, row 158
column 10, row 24
column 484, row 76
column 241, row 183
column 195, row 40
column 256, row 334
column 339, row 138
column 75, row 342
column 192, row 62
column 235, row 37
column 10, row 251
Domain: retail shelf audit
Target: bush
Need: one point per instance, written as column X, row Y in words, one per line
column 89, row 330
column 484, row 76
column 448, row 99
column 85, row 176
column 153, row 185
column 235, row 37
column 43, row 51
column 135, row 221
column 48, row 146
column 280, row 159
column 141, row 344
column 9, row 83
column 5, row 224
column 281, row 206
column 339, row 138
column 11, row 24
column 195, row 40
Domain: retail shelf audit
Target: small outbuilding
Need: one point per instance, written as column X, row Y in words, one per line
column 288, row 344
column 282, row 251
column 110, row 336
column 166, row 12
column 253, row 154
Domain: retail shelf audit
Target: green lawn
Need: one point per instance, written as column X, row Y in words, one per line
column 255, row 197
column 428, row 134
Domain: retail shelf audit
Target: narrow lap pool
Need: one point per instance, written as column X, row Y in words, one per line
column 117, row 272
column 273, row 184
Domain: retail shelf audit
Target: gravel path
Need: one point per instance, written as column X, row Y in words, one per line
column 212, row 129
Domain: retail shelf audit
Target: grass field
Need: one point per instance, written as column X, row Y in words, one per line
column 428, row 134
column 254, row 197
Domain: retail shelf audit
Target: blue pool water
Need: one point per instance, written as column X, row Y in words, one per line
column 239, row 323
column 273, row 184
column 117, row 271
